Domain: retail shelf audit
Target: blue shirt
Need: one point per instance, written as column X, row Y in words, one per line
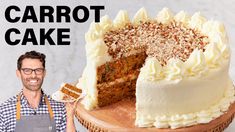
column 8, row 112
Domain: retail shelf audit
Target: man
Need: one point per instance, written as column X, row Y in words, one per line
column 32, row 110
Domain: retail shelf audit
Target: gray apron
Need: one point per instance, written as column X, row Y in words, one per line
column 34, row 123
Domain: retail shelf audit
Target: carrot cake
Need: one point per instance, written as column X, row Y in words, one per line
column 176, row 66
column 71, row 90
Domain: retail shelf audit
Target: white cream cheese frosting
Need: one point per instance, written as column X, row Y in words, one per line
column 140, row 16
column 196, row 64
column 105, row 23
column 179, row 93
column 213, row 55
column 173, row 69
column 189, row 95
column 197, row 21
column 153, row 70
column 121, row 19
column 165, row 16
column 166, row 116
column 182, row 17
column 182, row 97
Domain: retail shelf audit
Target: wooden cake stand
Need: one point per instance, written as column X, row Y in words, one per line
column 121, row 117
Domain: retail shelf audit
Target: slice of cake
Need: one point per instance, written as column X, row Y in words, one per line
column 70, row 91
column 67, row 93
column 175, row 66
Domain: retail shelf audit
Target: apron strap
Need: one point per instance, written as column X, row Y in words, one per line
column 49, row 107
column 18, row 107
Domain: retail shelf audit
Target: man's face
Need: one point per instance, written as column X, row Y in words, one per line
column 31, row 74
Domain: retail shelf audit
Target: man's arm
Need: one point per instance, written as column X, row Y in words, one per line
column 70, row 110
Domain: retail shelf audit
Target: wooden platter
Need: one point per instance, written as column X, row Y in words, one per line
column 120, row 117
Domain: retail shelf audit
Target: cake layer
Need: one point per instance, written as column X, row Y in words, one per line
column 120, row 67
column 114, row 91
column 70, row 93
column 71, row 90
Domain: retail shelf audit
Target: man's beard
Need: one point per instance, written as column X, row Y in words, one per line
column 32, row 86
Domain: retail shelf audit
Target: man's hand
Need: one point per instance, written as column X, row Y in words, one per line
column 70, row 110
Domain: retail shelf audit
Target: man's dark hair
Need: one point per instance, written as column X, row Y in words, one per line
column 31, row 55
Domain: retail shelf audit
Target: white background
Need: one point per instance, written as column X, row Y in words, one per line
column 66, row 63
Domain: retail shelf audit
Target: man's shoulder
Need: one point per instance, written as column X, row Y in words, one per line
column 10, row 101
column 8, row 104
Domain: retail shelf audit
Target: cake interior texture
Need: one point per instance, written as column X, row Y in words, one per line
column 71, row 90
column 117, row 79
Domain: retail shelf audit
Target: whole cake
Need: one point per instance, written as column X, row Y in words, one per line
column 175, row 66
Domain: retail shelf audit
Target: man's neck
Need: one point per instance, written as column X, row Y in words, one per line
column 33, row 97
